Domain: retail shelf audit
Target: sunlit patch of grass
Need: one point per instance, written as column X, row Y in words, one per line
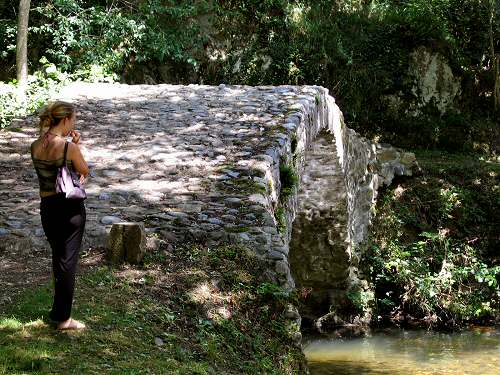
column 10, row 324
column 24, row 346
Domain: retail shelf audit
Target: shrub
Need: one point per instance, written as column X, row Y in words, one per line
column 289, row 180
column 433, row 247
column 42, row 85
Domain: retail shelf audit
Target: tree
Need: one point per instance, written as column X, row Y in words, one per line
column 495, row 58
column 22, row 47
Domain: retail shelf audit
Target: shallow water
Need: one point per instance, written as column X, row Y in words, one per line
column 398, row 352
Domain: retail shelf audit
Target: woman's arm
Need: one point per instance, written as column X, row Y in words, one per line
column 76, row 157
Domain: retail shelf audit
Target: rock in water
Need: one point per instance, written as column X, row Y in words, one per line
column 126, row 242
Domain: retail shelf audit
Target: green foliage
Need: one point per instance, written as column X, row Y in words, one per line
column 77, row 36
column 8, row 31
column 171, row 31
column 359, row 50
column 289, row 180
column 271, row 291
column 436, row 276
column 456, row 132
column 433, row 251
column 361, row 299
column 42, row 85
column 269, row 55
column 280, row 216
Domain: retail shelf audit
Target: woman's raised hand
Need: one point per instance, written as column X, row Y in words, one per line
column 76, row 136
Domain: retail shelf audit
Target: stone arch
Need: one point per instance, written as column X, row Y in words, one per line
column 329, row 216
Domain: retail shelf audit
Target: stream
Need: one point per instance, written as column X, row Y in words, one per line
column 395, row 352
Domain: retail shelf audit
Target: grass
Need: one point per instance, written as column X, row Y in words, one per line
column 280, row 216
column 192, row 311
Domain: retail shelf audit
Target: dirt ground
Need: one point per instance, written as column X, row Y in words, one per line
column 23, row 271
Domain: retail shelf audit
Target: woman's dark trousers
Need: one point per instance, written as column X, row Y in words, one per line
column 63, row 222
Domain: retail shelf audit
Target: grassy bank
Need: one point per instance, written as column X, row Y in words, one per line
column 433, row 254
column 189, row 311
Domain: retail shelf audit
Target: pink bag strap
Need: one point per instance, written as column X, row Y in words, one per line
column 65, row 152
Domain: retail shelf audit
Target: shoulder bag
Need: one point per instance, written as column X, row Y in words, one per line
column 68, row 181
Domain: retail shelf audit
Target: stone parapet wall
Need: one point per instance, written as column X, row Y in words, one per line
column 366, row 167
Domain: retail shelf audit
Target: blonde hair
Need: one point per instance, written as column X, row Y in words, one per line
column 54, row 112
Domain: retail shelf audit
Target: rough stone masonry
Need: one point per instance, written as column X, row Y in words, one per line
column 204, row 164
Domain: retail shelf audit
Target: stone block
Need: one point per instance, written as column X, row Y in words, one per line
column 408, row 159
column 386, row 155
column 126, row 242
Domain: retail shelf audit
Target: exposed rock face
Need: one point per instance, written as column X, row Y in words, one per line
column 434, row 80
column 205, row 164
column 431, row 82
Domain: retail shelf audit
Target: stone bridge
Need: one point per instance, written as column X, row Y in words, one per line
column 273, row 168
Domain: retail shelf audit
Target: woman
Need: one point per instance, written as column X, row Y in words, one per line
column 63, row 220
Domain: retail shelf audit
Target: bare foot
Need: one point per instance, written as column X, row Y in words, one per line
column 70, row 324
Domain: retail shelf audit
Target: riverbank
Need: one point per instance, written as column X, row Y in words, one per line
column 186, row 310
column 433, row 254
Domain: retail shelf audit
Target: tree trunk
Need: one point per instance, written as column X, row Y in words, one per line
column 495, row 59
column 496, row 75
column 22, row 47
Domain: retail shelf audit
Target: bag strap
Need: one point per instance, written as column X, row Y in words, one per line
column 31, row 152
column 65, row 152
